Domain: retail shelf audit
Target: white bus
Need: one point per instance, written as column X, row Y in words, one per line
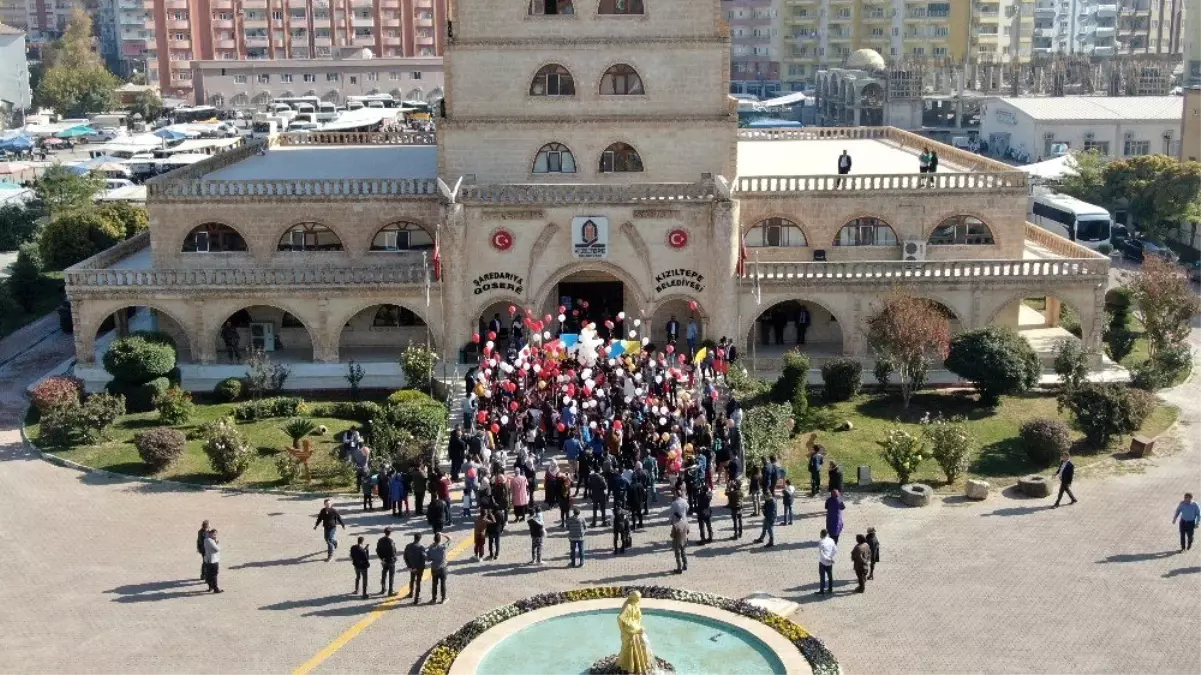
column 1084, row 223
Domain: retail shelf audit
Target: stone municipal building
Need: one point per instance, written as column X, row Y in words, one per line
column 588, row 153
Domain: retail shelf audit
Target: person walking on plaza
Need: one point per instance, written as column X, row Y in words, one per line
column 1067, row 471
column 621, row 529
column 834, row 509
column 200, row 537
column 827, row 548
column 361, row 562
column 577, row 526
column 598, row 492
column 479, row 535
column 861, row 557
column 835, row 477
column 436, row 554
column 493, row 525
column 734, row 501
column 368, row 485
column 519, row 489
column 769, row 520
column 817, row 457
column 385, row 550
column 788, row 494
column 329, row 519
column 1189, row 513
column 436, row 515
column 212, row 561
column 679, row 542
column 704, row 514
column 417, row 482
column 457, row 451
column 414, row 557
column 537, row 535
column 844, row 163
column 873, row 543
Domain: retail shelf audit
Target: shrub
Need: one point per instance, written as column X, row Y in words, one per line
column 160, row 447
column 1044, row 439
column 101, row 410
column 795, row 375
column 263, row 376
column 64, row 426
column 228, row 452
column 289, row 468
column 1103, row 411
column 997, row 360
column 883, row 371
column 404, row 396
column 842, row 378
column 134, row 359
column 388, row 440
column 139, row 397
column 1118, row 338
column 265, row 408
column 903, row 452
column 158, row 337
column 765, row 430
column 354, row 375
column 1118, row 301
column 174, row 406
column 1105, row 248
column 54, row 392
column 951, row 445
column 74, row 236
column 359, row 411
column 743, row 386
column 18, row 225
column 297, row 428
column 228, row 390
column 424, row 421
column 1071, row 363
column 1163, row 369
column 130, row 218
column 26, row 283
column 1069, row 320
column 418, row 363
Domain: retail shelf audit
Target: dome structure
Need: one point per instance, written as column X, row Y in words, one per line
column 866, row 59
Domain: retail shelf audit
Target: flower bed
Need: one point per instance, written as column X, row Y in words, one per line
column 443, row 654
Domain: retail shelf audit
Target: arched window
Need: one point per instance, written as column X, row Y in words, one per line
column 552, row 80
column 402, row 237
column 262, row 98
column 620, row 7
column 395, row 316
column 217, row 101
column 967, row 230
column 775, row 232
column 330, row 96
column 554, row 158
column 620, row 158
column 213, row 238
column 542, row 7
column 866, row 232
column 309, row 237
column 621, row 80
column 240, row 101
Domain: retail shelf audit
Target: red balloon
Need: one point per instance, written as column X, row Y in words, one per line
column 617, row 425
column 692, row 305
column 491, row 335
column 538, row 326
column 561, row 427
column 482, row 416
column 608, row 324
column 475, row 337
column 487, row 350
column 513, row 404
column 671, row 349
column 562, row 309
column 512, row 309
column 495, row 427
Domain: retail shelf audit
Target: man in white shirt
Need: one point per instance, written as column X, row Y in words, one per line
column 212, row 558
column 679, row 506
column 826, row 550
column 469, row 406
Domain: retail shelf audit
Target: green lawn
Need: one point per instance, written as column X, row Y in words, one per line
column 49, row 298
column 1000, row 458
column 118, row 453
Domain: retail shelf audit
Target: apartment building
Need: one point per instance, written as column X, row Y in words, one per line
column 41, row 18
column 14, row 70
column 755, row 46
column 1108, row 27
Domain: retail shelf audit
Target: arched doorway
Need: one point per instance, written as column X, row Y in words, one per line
column 381, row 333
column 128, row 320
column 590, row 296
column 272, row 329
column 776, row 330
column 953, row 323
column 1044, row 321
column 496, row 316
column 680, row 308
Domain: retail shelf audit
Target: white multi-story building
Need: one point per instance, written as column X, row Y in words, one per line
column 1108, row 27
column 14, row 70
column 127, row 36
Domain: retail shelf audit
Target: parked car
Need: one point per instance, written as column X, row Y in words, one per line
column 102, row 135
column 1138, row 250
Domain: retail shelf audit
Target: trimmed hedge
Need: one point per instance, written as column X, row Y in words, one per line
column 1103, row 411
column 139, row 397
column 842, row 378
column 412, row 396
column 136, row 359
column 359, row 411
column 174, row 406
column 266, row 408
column 228, row 390
column 1045, row 439
column 997, row 360
column 55, row 392
column 160, row 447
column 425, row 422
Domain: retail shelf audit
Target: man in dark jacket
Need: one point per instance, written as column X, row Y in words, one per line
column 835, row 476
column 861, row 557
column 385, row 549
column 636, row 501
column 704, row 514
column 817, row 457
column 330, row 519
column 802, row 324
column 598, row 492
column 1066, row 472
column 414, row 557
column 361, row 562
column 200, row 537
column 457, row 450
column 436, row 515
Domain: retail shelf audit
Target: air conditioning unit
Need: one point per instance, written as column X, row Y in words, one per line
column 819, row 255
column 1129, row 135
column 915, row 250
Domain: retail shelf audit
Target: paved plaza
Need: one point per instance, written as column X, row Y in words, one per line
column 101, row 574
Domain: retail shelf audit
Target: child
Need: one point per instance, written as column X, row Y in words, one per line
column 537, row 532
column 789, row 494
column 756, row 481
column 481, row 527
column 734, row 497
column 874, row 544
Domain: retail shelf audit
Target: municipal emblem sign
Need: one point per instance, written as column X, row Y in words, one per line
column 590, row 237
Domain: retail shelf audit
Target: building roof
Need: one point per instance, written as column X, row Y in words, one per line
column 331, row 162
column 1091, row 108
column 866, row 59
column 6, row 29
column 820, row 157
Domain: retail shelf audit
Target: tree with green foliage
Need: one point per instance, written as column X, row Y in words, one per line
column 906, row 330
column 133, row 219
column 147, row 104
column 62, row 190
column 997, row 360
column 418, row 361
column 18, row 224
column 1087, row 180
column 76, row 236
column 1159, row 190
column 1168, row 305
column 26, row 283
column 77, row 83
column 1071, row 363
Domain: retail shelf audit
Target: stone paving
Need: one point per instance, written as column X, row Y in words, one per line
column 101, row 574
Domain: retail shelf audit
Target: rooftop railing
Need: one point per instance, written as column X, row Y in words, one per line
column 344, row 188
column 358, row 138
column 947, row 182
column 587, row 193
column 108, row 280
column 905, row 271
column 1060, row 246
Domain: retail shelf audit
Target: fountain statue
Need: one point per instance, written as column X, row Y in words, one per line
column 635, row 655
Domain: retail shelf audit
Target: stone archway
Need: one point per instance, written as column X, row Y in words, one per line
column 278, row 331
column 680, row 307
column 773, row 329
column 111, row 320
column 381, row 332
column 1044, row 318
column 594, row 282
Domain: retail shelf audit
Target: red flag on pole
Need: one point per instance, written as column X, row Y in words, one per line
column 437, row 259
column 741, row 270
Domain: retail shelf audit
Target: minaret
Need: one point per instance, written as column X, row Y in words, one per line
column 1190, row 133
column 587, row 91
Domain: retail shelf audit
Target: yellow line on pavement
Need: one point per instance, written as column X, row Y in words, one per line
column 376, row 612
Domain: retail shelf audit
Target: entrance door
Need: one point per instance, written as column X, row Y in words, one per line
column 604, row 301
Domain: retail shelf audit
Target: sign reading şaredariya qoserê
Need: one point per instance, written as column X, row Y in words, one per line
column 678, row 277
column 498, row 281
column 590, row 237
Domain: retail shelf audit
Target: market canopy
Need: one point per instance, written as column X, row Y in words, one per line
column 1051, row 169
column 76, row 132
column 18, row 141
column 788, row 99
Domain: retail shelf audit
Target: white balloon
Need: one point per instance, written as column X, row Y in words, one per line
column 491, row 344
column 629, row 398
column 504, row 419
column 612, row 362
column 537, row 368
column 562, row 318
column 663, row 421
column 637, row 322
column 587, row 373
column 545, row 335
column 646, row 341
column 633, row 334
column 590, row 383
column 592, row 425
column 638, row 391
column 658, row 379
column 566, row 400
column 621, row 316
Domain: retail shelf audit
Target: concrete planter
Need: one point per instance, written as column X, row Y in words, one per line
column 1035, row 486
column 916, row 494
column 976, row 489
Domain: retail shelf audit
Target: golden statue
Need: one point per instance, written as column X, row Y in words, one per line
column 635, row 656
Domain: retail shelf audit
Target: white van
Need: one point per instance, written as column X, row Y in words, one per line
column 1079, row 221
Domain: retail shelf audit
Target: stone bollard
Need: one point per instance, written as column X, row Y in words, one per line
column 977, row 489
column 1035, row 486
column 916, row 494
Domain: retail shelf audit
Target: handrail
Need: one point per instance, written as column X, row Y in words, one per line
column 358, row 188
column 928, row 270
column 358, row 138
column 258, row 277
column 903, row 139
column 593, row 193
column 1060, row 246
column 953, row 182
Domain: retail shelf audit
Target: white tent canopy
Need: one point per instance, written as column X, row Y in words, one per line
column 1051, row 169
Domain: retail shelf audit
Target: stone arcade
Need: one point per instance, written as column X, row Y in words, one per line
column 586, row 155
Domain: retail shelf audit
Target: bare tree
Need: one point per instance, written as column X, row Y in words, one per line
column 908, row 331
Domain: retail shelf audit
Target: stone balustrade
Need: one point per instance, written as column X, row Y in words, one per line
column 345, row 188
column 226, row 279
column 1060, row 246
column 906, row 140
column 929, row 271
column 908, row 182
column 207, row 166
column 815, row 134
column 587, row 193
column 358, row 138
column 114, row 253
